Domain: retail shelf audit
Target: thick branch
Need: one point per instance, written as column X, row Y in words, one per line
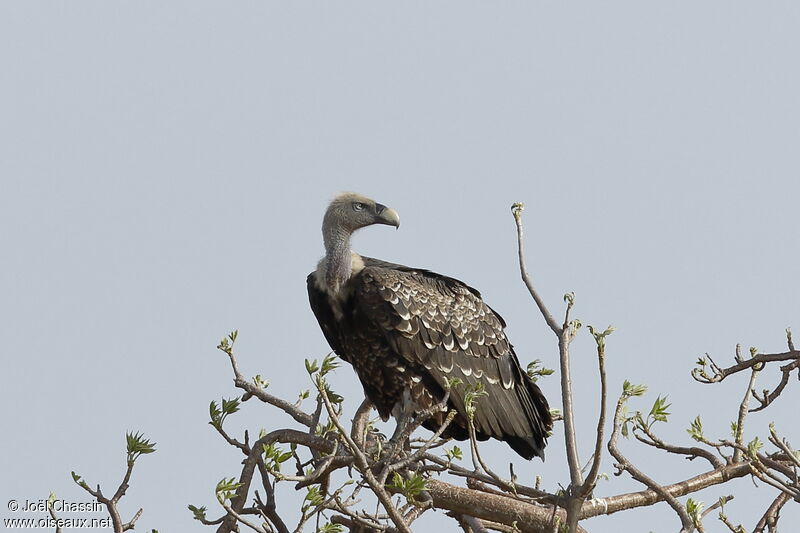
column 631, row 500
column 529, row 518
column 770, row 517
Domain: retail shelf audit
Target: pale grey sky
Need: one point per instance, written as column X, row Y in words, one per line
column 164, row 167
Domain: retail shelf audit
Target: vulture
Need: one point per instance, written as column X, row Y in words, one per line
column 407, row 331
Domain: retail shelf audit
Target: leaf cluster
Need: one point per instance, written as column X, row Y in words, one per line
column 227, row 342
column 471, row 397
column 536, row 370
column 218, row 415
column 274, row 456
column 410, row 488
column 137, row 446
column 226, row 489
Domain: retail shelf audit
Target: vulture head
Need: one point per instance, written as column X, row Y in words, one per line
column 350, row 211
column 347, row 213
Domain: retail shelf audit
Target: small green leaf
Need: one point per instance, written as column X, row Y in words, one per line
column 79, row 481
column 629, row 390
column 454, row 453
column 453, row 382
column 659, row 413
column 198, row 512
column 224, row 345
column 218, row 415
column 313, row 498
column 329, row 364
column 410, row 488
column 753, row 447
column 226, row 489
column 694, row 509
column 215, row 413
column 471, row 398
column 230, row 406
column 536, row 370
column 137, row 446
column 696, row 429
column 600, row 337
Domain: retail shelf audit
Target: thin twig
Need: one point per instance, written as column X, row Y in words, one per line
column 743, row 407
column 690, row 451
column 783, row 444
column 516, row 210
column 252, row 389
column 768, row 397
column 721, row 373
column 111, row 503
column 716, row 505
column 52, row 513
column 687, row 525
column 420, row 452
column 591, row 478
column 363, row 466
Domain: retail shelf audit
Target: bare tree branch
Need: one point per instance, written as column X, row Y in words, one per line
column 770, row 517
column 743, row 406
column 721, row 373
column 687, row 525
column 768, row 397
column 591, row 478
column 690, row 451
column 516, row 210
column 529, row 518
column 363, row 466
column 632, row 500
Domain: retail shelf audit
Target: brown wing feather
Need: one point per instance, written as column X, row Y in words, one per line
column 443, row 326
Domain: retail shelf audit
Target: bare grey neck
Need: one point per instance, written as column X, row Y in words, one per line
column 337, row 256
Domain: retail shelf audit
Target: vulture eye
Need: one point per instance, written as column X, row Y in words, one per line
column 358, row 206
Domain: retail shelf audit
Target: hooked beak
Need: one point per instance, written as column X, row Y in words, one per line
column 387, row 215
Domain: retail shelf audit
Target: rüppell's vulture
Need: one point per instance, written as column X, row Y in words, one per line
column 407, row 331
